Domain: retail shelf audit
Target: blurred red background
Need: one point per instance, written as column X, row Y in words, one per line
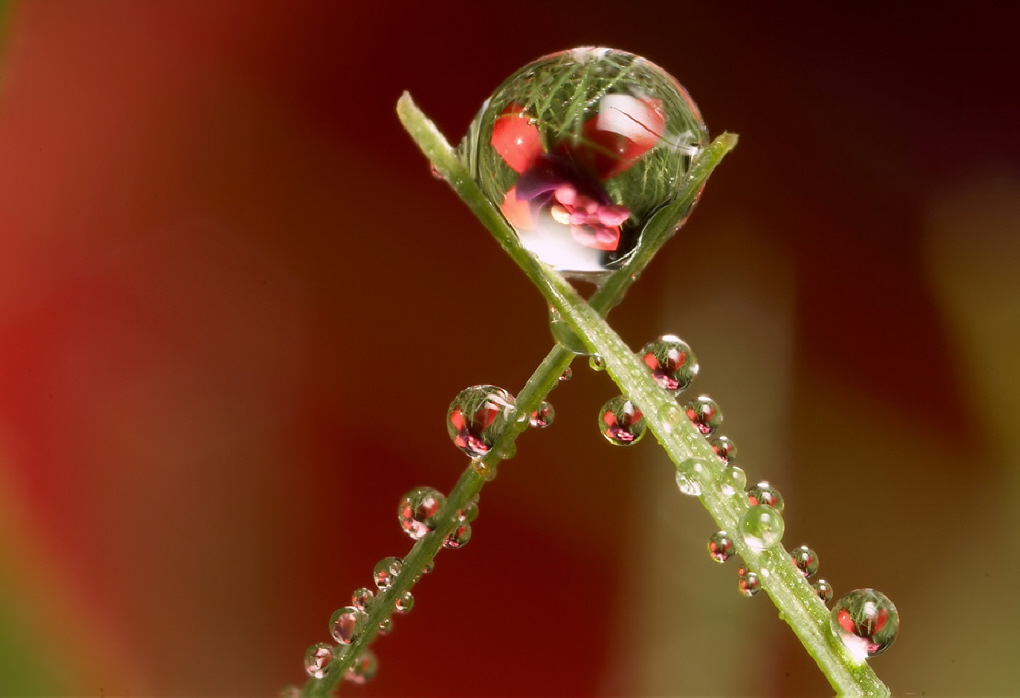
column 234, row 307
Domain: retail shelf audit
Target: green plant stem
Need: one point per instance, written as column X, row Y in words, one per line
column 790, row 592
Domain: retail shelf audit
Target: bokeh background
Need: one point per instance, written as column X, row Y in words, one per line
column 234, row 307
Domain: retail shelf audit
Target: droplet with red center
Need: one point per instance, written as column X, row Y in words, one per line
column 417, row 511
column 579, row 149
column 866, row 621
column 823, row 589
column 477, row 416
column 721, row 547
column 766, row 493
column 748, row 581
column 543, row 416
column 724, row 448
column 805, row 559
column 317, row 659
column 704, row 414
column 363, row 669
column 671, row 361
column 621, row 422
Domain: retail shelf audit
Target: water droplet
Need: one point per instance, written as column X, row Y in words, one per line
column 621, row 422
column 506, row 451
column 362, row 598
column 805, row 559
column 732, row 480
column 405, row 603
column 317, row 659
column 458, row 537
column 704, row 414
column 386, row 571
column 565, row 336
column 364, row 668
column 596, row 363
column 671, row 361
column 671, row 415
column 346, row 623
column 720, row 546
column 567, row 374
column 417, row 511
column 764, row 493
column 429, row 566
column 691, row 475
column 866, row 621
column 579, row 149
column 483, row 469
column 477, row 416
column 543, row 416
column 470, row 511
column 724, row 448
column 761, row 527
column 747, row 581
column 385, row 627
column 823, row 589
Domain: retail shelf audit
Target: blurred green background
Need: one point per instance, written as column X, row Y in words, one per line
column 234, row 307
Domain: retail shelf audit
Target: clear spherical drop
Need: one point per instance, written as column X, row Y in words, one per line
column 720, row 546
column 671, row 361
column 386, row 571
column 567, row 374
column 385, row 627
column 761, row 527
column 469, row 513
column 705, row 414
column 671, row 415
column 724, row 448
column 621, row 422
column 317, row 660
column 405, row 603
column 866, row 621
column 732, row 480
column 596, row 363
column 363, row 669
column 477, row 416
column 748, row 581
column 346, row 624
column 418, row 510
column 823, row 589
column 805, row 559
column 362, row 598
column 565, row 336
column 458, row 537
column 765, row 493
column 579, row 148
column 543, row 416
column 691, row 476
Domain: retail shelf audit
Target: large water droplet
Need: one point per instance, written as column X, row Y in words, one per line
column 724, row 448
column 761, row 527
column 671, row 361
column 621, row 422
column 386, row 571
column 823, row 589
column 732, row 480
column 765, row 493
column 346, row 624
column 704, row 414
column 317, row 659
column 866, row 621
column 364, row 668
column 565, row 336
column 579, row 149
column 458, row 537
column 362, row 598
column 748, row 581
column 543, row 416
column 417, row 511
column 405, row 603
column 805, row 559
column 691, row 476
column 477, row 416
column 721, row 546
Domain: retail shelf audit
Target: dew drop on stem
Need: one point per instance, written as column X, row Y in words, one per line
column 362, row 598
column 417, row 511
column 765, row 493
column 805, row 559
column 386, row 571
column 866, row 621
column 317, row 659
column 823, row 589
column 671, row 361
column 725, row 449
column 477, row 417
column 748, row 581
column 720, row 546
column 732, row 479
column 363, row 669
column 621, row 422
column 704, row 414
column 405, row 603
column 543, row 416
column 761, row 527
column 346, row 624
column 458, row 537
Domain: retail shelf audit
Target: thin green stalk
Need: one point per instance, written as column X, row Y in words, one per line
column 793, row 596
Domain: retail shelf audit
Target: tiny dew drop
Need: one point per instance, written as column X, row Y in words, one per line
column 470, row 511
column 543, row 416
column 405, row 603
column 567, row 374
column 747, row 581
column 417, row 511
column 691, row 475
column 866, row 621
column 385, row 627
column 458, row 537
column 724, row 448
column 596, row 363
column 761, row 527
column 565, row 336
column 720, row 546
column 671, row 361
column 621, row 422
column 364, row 668
column 477, row 416
column 705, row 414
column 362, row 598
column 805, row 559
column 386, row 571
column 732, row 480
column 764, row 493
column 823, row 589
column 346, row 624
column 317, row 660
